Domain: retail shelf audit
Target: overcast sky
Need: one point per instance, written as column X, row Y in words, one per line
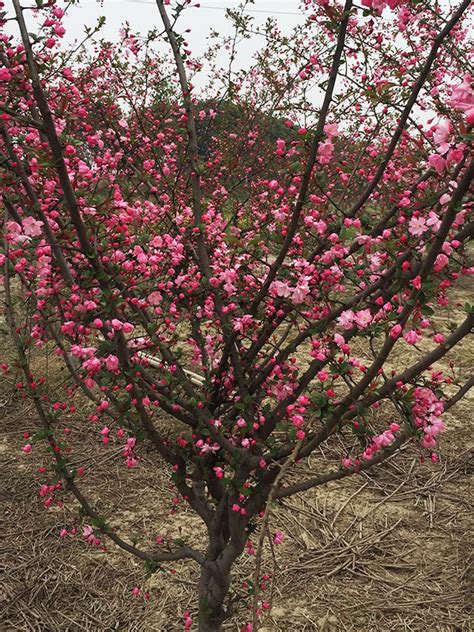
column 142, row 15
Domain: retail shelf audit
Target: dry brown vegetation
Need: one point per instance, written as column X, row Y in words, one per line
column 386, row 550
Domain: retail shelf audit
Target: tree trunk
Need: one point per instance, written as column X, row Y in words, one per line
column 207, row 624
column 212, row 594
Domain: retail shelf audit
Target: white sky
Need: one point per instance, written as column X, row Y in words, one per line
column 142, row 15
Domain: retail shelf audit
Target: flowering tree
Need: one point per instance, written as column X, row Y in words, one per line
column 252, row 262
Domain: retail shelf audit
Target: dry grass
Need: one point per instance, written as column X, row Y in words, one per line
column 385, row 552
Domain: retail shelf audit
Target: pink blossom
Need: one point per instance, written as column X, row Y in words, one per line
column 395, row 331
column 241, row 324
column 5, row 74
column 31, row 226
column 382, row 441
column 437, row 162
column 427, row 410
column 112, row 363
column 278, row 537
column 331, row 129
column 155, row 298
column 346, row 319
column 300, row 292
column 462, row 98
column 379, row 5
column 128, row 328
column 440, row 263
column 441, row 134
column 59, row 30
column 219, row 472
column 116, row 324
column 325, row 152
column 281, row 288
column 92, row 365
column 417, row 226
column 433, row 220
column 188, row 620
column 412, row 337
column 89, row 536
column 363, row 318
column 14, row 233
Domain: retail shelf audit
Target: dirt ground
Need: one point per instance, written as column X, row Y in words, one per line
column 379, row 552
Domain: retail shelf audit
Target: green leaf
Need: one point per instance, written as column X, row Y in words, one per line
column 39, row 436
column 100, row 523
column 427, row 311
column 151, row 567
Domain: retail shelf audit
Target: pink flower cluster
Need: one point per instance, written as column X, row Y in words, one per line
column 296, row 415
column 380, row 441
column 427, row 410
column 297, row 294
column 90, row 537
column 49, row 493
column 462, row 98
column 129, row 454
column 188, row 620
column 361, row 319
column 377, row 443
column 23, row 233
column 379, row 5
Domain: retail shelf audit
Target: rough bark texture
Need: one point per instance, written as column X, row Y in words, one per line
column 212, row 594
